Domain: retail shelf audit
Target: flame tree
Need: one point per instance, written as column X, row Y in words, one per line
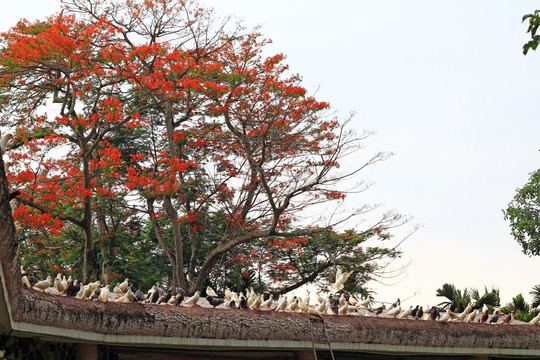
column 156, row 120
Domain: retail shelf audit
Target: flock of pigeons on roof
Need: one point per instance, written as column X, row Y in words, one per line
column 250, row 300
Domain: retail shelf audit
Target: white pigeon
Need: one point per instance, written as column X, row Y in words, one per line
column 342, row 300
column 267, row 303
column 534, row 320
column 44, row 284
column 228, row 294
column 256, row 304
column 320, row 299
column 341, row 278
column 211, row 292
column 193, row 300
column 468, row 309
column 352, row 300
column 472, row 315
column 364, row 303
column 322, row 307
column 405, row 314
column 394, row 311
column 294, row 304
column 124, row 285
column 282, row 303
column 104, row 294
column 446, row 316
column 343, row 310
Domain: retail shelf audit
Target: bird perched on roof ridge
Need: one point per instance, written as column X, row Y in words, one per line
column 468, row 309
column 485, row 316
column 472, row 316
column 507, row 318
column 405, row 313
column 394, row 311
column 124, row 285
column 396, row 304
column 534, row 320
column 193, row 300
column 104, row 294
column 266, row 304
column 211, row 292
column 282, row 303
column 44, row 284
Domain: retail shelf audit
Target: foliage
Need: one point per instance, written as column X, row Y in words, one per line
column 461, row 298
column 534, row 22
column 523, row 212
column 172, row 137
column 535, row 293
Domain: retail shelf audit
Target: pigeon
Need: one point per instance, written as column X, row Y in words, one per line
column 446, row 316
column 472, row 316
column 341, row 278
column 365, row 302
column 281, row 304
column 415, row 310
column 256, row 304
column 211, row 292
column 193, row 300
column 232, row 305
column 534, row 320
column 165, row 298
column 58, row 284
column 405, row 314
column 104, row 294
column 378, row 310
column 434, row 313
column 484, row 317
column 73, row 288
column 124, row 285
column 267, row 303
column 322, row 307
column 494, row 318
column 352, row 300
column 214, row 301
column 294, row 304
column 44, row 284
column 25, row 281
column 178, row 298
column 396, row 304
column 97, row 291
column 3, row 143
column 139, row 294
column 155, row 295
column 419, row 313
column 468, row 309
column 243, row 303
column 507, row 318
column 394, row 311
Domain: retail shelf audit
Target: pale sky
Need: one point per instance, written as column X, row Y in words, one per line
column 448, row 90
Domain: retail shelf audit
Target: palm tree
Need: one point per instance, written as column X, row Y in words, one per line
column 535, row 292
column 458, row 298
column 490, row 298
column 518, row 304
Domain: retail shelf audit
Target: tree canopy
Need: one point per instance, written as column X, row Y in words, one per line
column 523, row 212
column 151, row 135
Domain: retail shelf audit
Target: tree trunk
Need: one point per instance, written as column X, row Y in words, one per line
column 89, row 249
column 105, row 243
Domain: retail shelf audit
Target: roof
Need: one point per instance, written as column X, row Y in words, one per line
column 27, row 312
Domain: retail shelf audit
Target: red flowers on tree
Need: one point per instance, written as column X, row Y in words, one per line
column 154, row 113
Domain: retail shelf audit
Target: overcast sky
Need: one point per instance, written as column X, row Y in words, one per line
column 448, row 90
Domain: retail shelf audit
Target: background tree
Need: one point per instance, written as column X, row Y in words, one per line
column 523, row 212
